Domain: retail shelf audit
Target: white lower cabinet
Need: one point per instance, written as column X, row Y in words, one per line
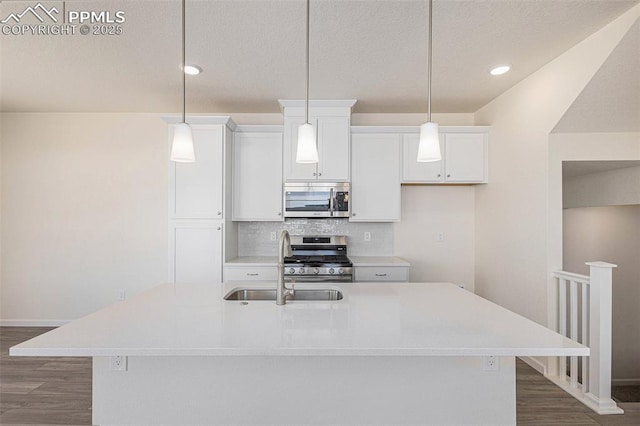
column 250, row 273
column 257, row 177
column 375, row 177
column 381, row 273
column 195, row 252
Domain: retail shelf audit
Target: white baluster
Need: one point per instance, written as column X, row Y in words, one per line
column 573, row 311
column 585, row 336
column 562, row 323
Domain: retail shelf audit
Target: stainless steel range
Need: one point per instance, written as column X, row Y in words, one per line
column 318, row 258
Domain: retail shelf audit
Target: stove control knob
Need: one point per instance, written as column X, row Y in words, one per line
column 316, row 271
column 341, row 271
column 292, row 270
column 331, row 271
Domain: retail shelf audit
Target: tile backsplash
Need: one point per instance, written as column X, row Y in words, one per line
column 254, row 238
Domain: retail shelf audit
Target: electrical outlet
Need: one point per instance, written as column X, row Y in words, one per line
column 118, row 363
column 274, row 236
column 440, row 236
column 367, row 236
column 490, row 363
column 122, row 295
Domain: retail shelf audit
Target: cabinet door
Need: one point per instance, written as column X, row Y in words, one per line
column 465, row 157
column 412, row 170
column 293, row 170
column 381, row 273
column 250, row 273
column 375, row 178
column 257, row 176
column 333, row 145
column 196, row 188
column 196, row 252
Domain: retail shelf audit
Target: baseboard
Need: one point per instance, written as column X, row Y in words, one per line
column 537, row 363
column 625, row 382
column 32, row 323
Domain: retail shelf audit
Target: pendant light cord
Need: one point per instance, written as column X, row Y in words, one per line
column 184, row 75
column 430, row 57
column 306, row 108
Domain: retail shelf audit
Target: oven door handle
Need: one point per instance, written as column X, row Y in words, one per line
column 331, row 201
column 319, row 278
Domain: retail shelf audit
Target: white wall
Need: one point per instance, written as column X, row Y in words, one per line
column 611, row 234
column 426, row 211
column 84, row 211
column 512, row 259
column 610, row 188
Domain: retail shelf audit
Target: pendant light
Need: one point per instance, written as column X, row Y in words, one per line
column 429, row 147
column 182, row 146
column 307, row 150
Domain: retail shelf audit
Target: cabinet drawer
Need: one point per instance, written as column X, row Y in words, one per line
column 382, row 273
column 250, row 273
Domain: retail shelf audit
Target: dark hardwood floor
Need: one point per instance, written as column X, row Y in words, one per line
column 57, row 391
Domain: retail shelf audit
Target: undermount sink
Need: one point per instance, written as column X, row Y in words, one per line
column 249, row 294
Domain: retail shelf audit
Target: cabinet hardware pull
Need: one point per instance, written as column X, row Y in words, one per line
column 353, row 214
column 252, row 274
column 439, row 175
column 319, row 174
column 279, row 213
column 315, row 174
column 219, row 213
column 219, row 228
column 381, row 275
column 448, row 175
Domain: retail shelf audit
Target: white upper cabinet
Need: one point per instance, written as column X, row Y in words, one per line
column 333, row 148
column 332, row 122
column 464, row 158
column 293, row 170
column 257, row 177
column 412, row 170
column 375, row 177
column 196, row 189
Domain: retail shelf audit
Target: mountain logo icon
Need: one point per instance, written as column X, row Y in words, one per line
column 39, row 11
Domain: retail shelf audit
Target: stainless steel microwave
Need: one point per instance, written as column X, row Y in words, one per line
column 316, row 199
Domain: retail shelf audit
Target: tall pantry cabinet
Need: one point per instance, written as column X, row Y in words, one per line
column 199, row 204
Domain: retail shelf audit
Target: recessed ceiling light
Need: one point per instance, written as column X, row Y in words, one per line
column 499, row 70
column 192, row 69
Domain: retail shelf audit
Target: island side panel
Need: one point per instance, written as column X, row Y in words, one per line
column 304, row 390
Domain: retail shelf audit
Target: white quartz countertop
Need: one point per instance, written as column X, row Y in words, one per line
column 246, row 261
column 243, row 261
column 378, row 261
column 373, row 319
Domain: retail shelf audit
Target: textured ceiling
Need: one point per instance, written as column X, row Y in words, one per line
column 252, row 53
column 611, row 100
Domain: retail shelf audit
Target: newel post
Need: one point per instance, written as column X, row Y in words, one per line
column 600, row 298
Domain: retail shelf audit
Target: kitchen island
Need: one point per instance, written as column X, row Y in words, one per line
column 387, row 353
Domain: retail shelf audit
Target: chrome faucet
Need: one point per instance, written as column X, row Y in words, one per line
column 284, row 249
